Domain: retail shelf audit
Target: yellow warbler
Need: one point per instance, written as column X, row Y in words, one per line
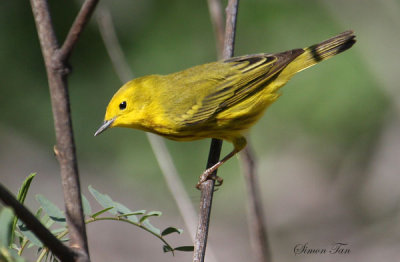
column 216, row 100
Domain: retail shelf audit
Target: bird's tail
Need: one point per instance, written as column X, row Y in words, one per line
column 319, row 52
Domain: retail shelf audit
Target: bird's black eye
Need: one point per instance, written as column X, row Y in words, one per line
column 122, row 106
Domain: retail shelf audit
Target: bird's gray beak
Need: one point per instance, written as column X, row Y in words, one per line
column 106, row 124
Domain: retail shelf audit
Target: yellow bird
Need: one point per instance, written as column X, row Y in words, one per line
column 216, row 100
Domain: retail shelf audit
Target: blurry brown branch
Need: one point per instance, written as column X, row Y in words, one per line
column 113, row 47
column 55, row 59
column 230, row 28
column 257, row 226
column 200, row 243
column 61, row 251
column 215, row 9
column 207, row 188
column 76, row 29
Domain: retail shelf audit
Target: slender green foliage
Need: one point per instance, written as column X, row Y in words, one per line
column 54, row 219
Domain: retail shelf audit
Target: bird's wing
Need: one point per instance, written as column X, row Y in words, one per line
column 247, row 76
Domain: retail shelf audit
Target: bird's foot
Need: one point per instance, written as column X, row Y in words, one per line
column 209, row 174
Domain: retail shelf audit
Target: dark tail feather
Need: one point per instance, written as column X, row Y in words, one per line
column 322, row 51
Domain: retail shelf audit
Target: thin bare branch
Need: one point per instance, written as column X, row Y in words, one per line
column 257, row 226
column 76, row 29
column 57, row 69
column 230, row 28
column 113, row 47
column 47, row 36
column 61, row 251
column 200, row 243
column 207, row 188
column 217, row 20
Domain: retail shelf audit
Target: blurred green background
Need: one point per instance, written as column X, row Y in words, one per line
column 327, row 150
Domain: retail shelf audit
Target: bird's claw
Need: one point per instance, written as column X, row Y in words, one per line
column 209, row 174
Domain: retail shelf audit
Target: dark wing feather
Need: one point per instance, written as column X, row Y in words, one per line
column 252, row 74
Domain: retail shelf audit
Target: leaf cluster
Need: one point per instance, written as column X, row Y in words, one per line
column 15, row 237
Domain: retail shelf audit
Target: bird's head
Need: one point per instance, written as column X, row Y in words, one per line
column 124, row 108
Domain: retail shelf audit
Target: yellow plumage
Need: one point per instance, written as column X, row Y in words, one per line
column 216, row 100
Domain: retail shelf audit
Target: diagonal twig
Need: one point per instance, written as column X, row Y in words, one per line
column 61, row 251
column 113, row 47
column 57, row 69
column 256, row 221
column 257, row 226
column 230, row 28
column 215, row 9
column 207, row 188
column 76, row 29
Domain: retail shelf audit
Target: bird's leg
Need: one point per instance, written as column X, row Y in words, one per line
column 239, row 143
column 209, row 172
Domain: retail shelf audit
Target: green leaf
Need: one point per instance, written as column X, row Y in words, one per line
column 121, row 209
column 150, row 227
column 170, row 230
column 21, row 226
column 9, row 255
column 146, row 223
column 87, row 210
column 125, row 212
column 18, row 234
column 117, row 208
column 130, row 217
column 104, row 200
column 51, row 209
column 14, row 246
column 29, row 235
column 138, row 212
column 185, row 248
column 150, row 214
column 6, row 222
column 58, row 230
column 38, row 212
column 64, row 239
column 22, row 193
column 34, row 240
column 167, row 249
column 23, row 190
column 47, row 221
column 101, row 212
column 154, row 213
